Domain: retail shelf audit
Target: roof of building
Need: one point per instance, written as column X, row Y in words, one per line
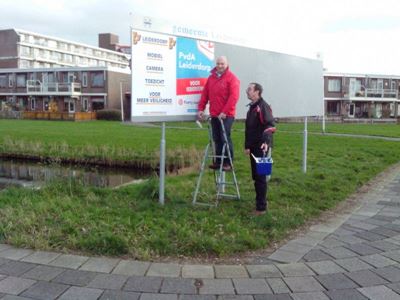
column 65, row 41
column 64, row 69
column 360, row 75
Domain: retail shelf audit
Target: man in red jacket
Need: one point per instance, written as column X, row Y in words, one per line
column 222, row 91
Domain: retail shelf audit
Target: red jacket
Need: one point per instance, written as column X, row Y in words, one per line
column 222, row 92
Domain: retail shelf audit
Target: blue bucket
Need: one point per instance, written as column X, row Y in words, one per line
column 263, row 165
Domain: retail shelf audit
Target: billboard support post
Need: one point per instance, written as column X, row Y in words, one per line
column 162, row 166
column 122, row 99
column 323, row 117
column 305, row 146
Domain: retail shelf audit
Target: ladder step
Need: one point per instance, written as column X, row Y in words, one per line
column 228, row 195
column 204, row 204
column 219, row 173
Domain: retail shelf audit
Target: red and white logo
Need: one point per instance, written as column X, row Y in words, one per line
column 207, row 48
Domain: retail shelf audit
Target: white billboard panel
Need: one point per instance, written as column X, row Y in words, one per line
column 292, row 85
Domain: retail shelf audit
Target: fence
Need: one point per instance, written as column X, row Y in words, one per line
column 42, row 115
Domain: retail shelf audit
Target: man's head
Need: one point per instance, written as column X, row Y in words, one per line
column 221, row 64
column 254, row 91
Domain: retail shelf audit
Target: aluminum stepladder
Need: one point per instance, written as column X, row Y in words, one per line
column 219, row 174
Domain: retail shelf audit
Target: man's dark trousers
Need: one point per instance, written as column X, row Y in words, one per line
column 260, row 181
column 218, row 137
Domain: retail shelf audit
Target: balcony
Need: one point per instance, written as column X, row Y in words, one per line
column 377, row 94
column 381, row 93
column 36, row 87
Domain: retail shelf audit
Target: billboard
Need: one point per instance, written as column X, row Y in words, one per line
column 168, row 75
column 170, row 71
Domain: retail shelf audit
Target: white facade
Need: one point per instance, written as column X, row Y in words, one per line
column 40, row 51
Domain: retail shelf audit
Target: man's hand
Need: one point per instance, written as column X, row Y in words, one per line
column 222, row 116
column 200, row 115
column 247, row 151
column 264, row 147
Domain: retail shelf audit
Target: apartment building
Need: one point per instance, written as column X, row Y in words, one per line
column 361, row 95
column 61, row 89
column 23, row 49
column 43, row 73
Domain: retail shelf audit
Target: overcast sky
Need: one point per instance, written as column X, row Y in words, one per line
column 360, row 36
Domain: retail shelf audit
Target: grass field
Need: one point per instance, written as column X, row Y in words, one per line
column 386, row 130
column 129, row 221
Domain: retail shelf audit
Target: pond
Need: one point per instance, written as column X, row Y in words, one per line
column 35, row 174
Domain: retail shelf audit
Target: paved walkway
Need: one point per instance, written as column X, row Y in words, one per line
column 353, row 256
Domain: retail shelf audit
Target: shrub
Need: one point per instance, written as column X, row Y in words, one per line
column 109, row 114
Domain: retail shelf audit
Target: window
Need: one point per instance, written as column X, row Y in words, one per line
column 62, row 46
column 334, row 85
column 52, row 77
column 3, row 81
column 52, row 44
column 32, row 76
column 42, row 42
column 56, row 56
column 97, row 79
column 71, row 77
column 21, row 103
column 85, row 104
column 25, row 51
column 33, row 103
column 97, row 104
column 393, row 85
column 89, row 51
column 64, row 77
column 84, row 79
column 380, row 84
column 11, row 80
column 21, row 80
column 41, row 53
column 46, row 104
column 332, row 107
column 358, row 85
column 92, row 62
column 83, row 61
column 68, row 58
column 69, row 105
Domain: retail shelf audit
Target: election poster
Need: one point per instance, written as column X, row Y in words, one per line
column 168, row 75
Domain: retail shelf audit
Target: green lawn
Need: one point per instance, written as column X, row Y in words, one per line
column 98, row 142
column 129, row 221
column 388, row 130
